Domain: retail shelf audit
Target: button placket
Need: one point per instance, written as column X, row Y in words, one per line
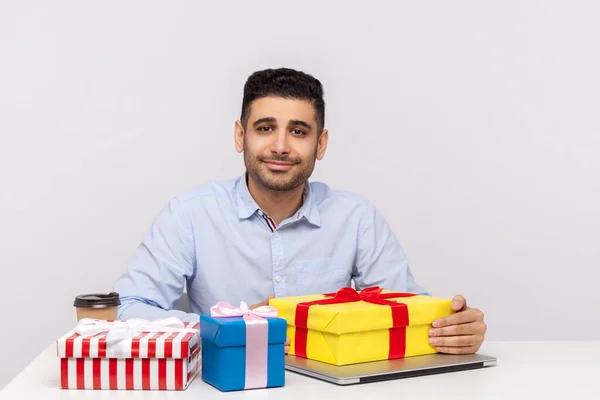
column 278, row 266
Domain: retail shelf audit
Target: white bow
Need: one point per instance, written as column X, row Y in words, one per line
column 126, row 330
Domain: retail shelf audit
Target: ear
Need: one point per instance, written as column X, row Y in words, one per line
column 238, row 136
column 322, row 144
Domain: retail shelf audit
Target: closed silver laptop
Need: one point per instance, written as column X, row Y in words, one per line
column 387, row 369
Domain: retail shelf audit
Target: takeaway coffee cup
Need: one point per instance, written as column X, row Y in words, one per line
column 97, row 306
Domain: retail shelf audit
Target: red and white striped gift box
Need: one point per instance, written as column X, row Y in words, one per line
column 149, row 361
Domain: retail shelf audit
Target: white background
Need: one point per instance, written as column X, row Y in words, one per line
column 474, row 127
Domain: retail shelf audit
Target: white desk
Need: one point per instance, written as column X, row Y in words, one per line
column 527, row 370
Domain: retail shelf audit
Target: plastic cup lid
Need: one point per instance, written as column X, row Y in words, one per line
column 97, row 300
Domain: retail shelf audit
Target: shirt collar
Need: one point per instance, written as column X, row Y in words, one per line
column 247, row 206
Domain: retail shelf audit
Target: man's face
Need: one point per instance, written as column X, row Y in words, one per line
column 280, row 142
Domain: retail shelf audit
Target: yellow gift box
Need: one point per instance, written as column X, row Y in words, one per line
column 351, row 327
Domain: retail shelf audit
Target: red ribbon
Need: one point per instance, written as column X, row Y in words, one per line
column 372, row 294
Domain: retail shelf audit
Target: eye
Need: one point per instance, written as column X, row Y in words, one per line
column 298, row 132
column 265, row 129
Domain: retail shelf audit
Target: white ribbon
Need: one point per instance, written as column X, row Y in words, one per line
column 126, row 330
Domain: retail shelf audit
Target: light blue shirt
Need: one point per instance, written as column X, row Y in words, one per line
column 216, row 241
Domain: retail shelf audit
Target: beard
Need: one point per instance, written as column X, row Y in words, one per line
column 278, row 181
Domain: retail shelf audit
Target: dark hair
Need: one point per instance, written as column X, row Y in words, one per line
column 286, row 83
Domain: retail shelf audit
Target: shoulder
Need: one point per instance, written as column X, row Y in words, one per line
column 201, row 196
column 205, row 192
column 324, row 195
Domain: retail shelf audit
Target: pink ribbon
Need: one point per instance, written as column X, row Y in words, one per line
column 257, row 338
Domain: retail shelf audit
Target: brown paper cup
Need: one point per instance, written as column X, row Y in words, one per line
column 97, row 306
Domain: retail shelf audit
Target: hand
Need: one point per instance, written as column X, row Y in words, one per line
column 262, row 303
column 460, row 333
column 286, row 345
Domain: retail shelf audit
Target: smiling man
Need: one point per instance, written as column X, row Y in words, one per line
column 271, row 232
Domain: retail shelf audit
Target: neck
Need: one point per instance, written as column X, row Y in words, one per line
column 279, row 205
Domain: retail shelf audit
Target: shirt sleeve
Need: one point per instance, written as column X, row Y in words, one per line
column 156, row 273
column 380, row 260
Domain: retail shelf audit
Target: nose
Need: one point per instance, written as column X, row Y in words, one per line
column 281, row 142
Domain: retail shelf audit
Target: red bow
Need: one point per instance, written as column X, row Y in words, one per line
column 348, row 295
column 371, row 294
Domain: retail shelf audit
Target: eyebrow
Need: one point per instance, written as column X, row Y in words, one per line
column 297, row 122
column 263, row 120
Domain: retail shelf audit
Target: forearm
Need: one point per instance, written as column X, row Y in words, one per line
column 135, row 307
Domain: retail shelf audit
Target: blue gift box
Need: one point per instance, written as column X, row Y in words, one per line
column 224, row 352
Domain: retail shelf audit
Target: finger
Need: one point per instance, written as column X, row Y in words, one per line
column 456, row 350
column 459, row 303
column 252, row 307
column 286, row 349
column 470, row 328
column 262, row 303
column 287, row 341
column 454, row 341
column 463, row 317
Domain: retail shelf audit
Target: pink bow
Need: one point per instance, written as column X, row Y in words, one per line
column 224, row 309
column 257, row 338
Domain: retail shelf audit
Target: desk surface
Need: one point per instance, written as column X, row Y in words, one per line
column 524, row 370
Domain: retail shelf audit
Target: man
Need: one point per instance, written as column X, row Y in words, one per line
column 271, row 232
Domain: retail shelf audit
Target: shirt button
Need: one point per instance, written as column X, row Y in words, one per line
column 260, row 213
column 278, row 278
column 275, row 234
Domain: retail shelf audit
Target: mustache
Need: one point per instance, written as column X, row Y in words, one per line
column 284, row 159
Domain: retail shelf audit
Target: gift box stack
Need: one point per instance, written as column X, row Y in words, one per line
column 244, row 349
column 351, row 327
column 131, row 355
